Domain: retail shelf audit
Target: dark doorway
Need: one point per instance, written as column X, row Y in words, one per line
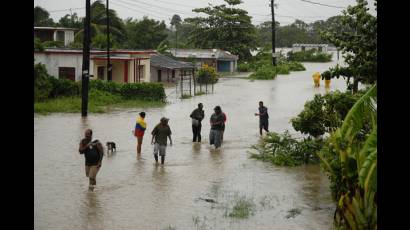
column 66, row 73
column 159, row 76
column 100, row 72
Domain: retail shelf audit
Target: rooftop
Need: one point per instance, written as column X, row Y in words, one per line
column 159, row 60
column 95, row 51
column 203, row 53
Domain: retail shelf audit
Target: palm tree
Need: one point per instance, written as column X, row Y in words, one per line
column 356, row 160
column 176, row 22
column 98, row 19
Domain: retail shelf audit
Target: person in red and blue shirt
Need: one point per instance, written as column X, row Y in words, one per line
column 140, row 127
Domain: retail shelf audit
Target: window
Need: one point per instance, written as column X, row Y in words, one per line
column 320, row 49
column 173, row 73
column 60, row 36
column 100, row 72
column 303, row 48
column 66, row 73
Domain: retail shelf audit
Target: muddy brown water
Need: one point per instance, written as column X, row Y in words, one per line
column 136, row 194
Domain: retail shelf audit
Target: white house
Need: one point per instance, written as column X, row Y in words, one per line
column 65, row 35
column 127, row 65
column 304, row 47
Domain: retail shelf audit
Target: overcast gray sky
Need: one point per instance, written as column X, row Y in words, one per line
column 286, row 12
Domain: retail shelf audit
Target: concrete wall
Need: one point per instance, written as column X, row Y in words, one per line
column 164, row 75
column 54, row 61
column 68, row 37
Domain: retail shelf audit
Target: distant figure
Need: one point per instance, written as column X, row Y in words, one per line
column 223, row 127
column 327, row 82
column 140, row 127
column 197, row 116
column 316, row 79
column 217, row 121
column 263, row 118
column 160, row 134
column 93, row 152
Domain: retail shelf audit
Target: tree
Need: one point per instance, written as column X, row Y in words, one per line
column 264, row 34
column 144, row 34
column 99, row 24
column 358, row 42
column 71, row 21
column 42, row 17
column 176, row 22
column 225, row 27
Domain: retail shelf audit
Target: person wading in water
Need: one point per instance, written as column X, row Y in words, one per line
column 197, row 116
column 93, row 152
column 263, row 118
column 140, row 127
column 217, row 121
column 160, row 134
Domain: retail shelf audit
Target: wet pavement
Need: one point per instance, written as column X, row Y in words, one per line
column 136, row 194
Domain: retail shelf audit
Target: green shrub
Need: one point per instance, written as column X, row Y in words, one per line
column 63, row 88
column 282, row 69
column 324, row 113
column 98, row 97
column 309, row 56
column 149, row 91
column 57, row 44
column 38, row 45
column 42, row 83
column 244, row 67
column 207, row 74
column 107, row 86
column 266, row 72
column 283, row 150
column 296, row 66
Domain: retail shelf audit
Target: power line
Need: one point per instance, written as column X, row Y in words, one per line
column 321, row 4
column 142, row 12
column 54, row 11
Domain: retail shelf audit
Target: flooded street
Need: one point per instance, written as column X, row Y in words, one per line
column 136, row 194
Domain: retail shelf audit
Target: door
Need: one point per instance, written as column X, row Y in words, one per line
column 66, row 73
column 159, row 76
column 100, row 72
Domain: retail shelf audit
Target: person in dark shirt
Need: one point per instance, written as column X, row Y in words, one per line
column 197, row 116
column 93, row 152
column 263, row 118
column 160, row 134
column 217, row 122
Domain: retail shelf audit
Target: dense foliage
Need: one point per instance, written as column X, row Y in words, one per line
column 144, row 34
column 48, row 87
column 324, row 113
column 283, row 150
column 207, row 74
column 358, row 43
column 226, row 27
column 350, row 159
column 309, row 56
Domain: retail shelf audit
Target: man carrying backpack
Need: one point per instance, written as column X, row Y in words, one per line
column 93, row 152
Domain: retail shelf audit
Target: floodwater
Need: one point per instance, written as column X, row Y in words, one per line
column 136, row 194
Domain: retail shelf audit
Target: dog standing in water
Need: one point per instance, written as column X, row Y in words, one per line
column 111, row 147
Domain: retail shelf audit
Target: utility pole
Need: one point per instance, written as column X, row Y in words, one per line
column 109, row 67
column 86, row 61
column 273, row 34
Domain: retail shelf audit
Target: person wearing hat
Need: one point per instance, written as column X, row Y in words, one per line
column 217, row 122
column 160, row 134
column 140, row 127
